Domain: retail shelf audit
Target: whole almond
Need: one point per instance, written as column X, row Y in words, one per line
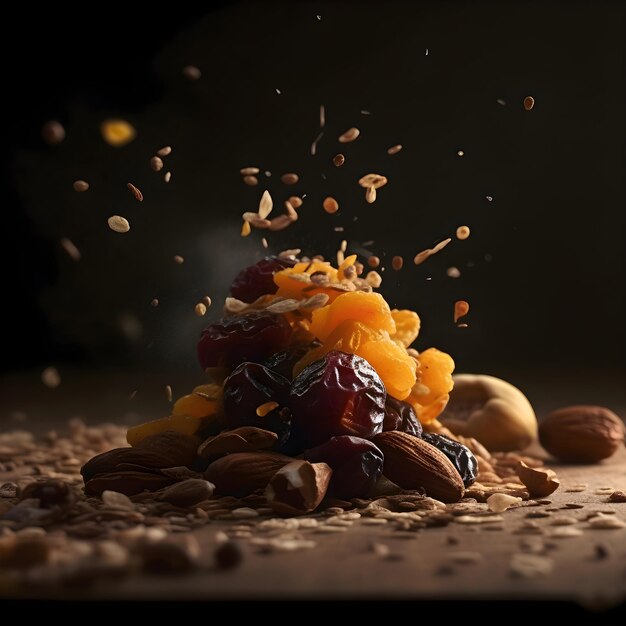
column 244, row 439
column 412, row 463
column 242, row 473
column 582, row 434
column 188, row 492
column 178, row 448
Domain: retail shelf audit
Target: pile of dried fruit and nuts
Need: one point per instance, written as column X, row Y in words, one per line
column 316, row 395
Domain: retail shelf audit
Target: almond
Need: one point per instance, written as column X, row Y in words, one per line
column 188, row 492
column 582, row 434
column 540, row 482
column 412, row 463
column 108, row 462
column 242, row 473
column 177, row 448
column 244, row 439
column 298, row 487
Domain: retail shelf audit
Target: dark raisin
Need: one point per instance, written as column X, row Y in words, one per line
column 258, row 280
column 460, row 456
column 399, row 415
column 283, row 361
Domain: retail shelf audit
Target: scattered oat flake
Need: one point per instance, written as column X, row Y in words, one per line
column 461, row 309
column 565, row 532
column 607, row 523
column 350, row 135
column 394, row 149
column 363, row 112
column 72, row 251
column 135, row 191
column 251, row 181
column 529, row 103
column 462, row 232
column 118, row 224
column 80, row 186
column 420, row 257
column 245, row 229
column 278, row 91
column 117, row 500
column 280, row 223
column 249, row 171
column 167, row 177
column 117, row 133
column 338, row 229
column 266, row 205
column 178, row 259
column 530, row 565
column 478, row 519
column 289, row 178
column 168, row 392
column 266, row 408
column 191, row 72
column 499, row 502
column 200, row 309
column 50, row 377
column 154, row 302
column 164, row 151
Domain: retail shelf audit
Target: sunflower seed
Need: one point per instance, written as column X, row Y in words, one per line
column 118, row 224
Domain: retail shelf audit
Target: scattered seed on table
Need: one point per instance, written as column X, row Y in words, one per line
column 462, row 232
column 167, row 177
column 191, row 72
column 290, row 178
column 80, row 185
column 339, row 160
column 179, row 259
column 156, row 163
column 50, row 377
column 350, row 135
column 607, row 523
column 154, row 302
column 394, row 149
column 251, row 181
column 135, row 191
column 461, row 309
column 118, row 224
column 330, row 205
column 72, row 251
column 53, row 133
column 168, row 392
column 529, row 103
column 200, row 309
column 453, row 272
column 397, row 262
column 117, row 133
column 164, row 151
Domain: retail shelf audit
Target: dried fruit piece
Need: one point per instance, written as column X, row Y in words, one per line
column 185, row 424
column 298, row 487
column 540, row 482
column 400, row 416
column 407, row 326
column 582, row 434
column 258, row 280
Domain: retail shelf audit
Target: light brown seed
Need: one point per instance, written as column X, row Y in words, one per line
column 156, row 163
column 462, row 232
column 251, row 181
column 117, row 133
column 191, row 72
column 179, row 259
column 118, row 224
column 154, row 302
column 373, row 180
column 245, row 229
column 373, row 261
column 339, row 160
column 72, row 251
column 200, row 309
column 53, row 133
column 50, row 377
column 206, row 300
column 529, row 103
column 461, row 309
column 80, row 185
column 266, row 204
column 135, row 191
column 164, row 151
column 289, row 178
column 453, row 272
column 167, row 177
column 330, row 205
column 249, row 171
column 397, row 262
column 460, row 153
column 394, row 149
column 168, row 392
column 322, row 116
column 370, row 195
column 296, row 201
column 350, row 135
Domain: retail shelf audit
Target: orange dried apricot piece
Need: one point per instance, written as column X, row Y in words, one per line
column 195, row 405
column 435, row 372
column 407, row 326
column 292, row 282
column 186, row 424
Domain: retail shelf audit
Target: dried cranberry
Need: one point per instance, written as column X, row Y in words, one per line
column 283, row 361
column 460, row 456
column 340, row 394
column 250, row 337
column 258, row 280
column 356, row 463
column 399, row 415
column 247, row 388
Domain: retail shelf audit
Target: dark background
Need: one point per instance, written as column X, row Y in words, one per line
column 544, row 269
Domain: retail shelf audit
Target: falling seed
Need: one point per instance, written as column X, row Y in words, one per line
column 118, row 224
column 373, row 261
column 462, row 232
column 314, row 144
column 206, row 301
column 453, row 272
column 178, row 259
column 117, row 133
column 267, row 173
column 80, row 185
column 135, row 191
column 501, row 102
column 322, row 116
column 167, row 177
column 370, row 195
column 460, row 153
column 344, row 245
column 154, row 302
column 394, row 149
column 339, row 160
column 168, row 392
column 245, row 229
column 420, row 257
column 319, row 17
column 489, row 198
column 72, row 251
column 426, row 52
column 373, row 180
column 289, row 179
column 365, row 113
column 266, row 204
column 156, row 163
column 132, row 394
column 350, row 135
column 249, row 171
column 461, row 309
column 338, row 229
column 264, row 243
column 191, row 72
column 200, row 309
column 53, row 133
column 529, row 103
column 397, row 262
column 296, row 201
column 330, row 205
column 50, row 377
column 251, row 181
column 165, row 151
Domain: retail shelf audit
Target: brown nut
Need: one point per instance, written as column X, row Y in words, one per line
column 412, row 463
column 298, row 487
column 582, row 434
column 244, row 439
column 491, row 410
column 540, row 482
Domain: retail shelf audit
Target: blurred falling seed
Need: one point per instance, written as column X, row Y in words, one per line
column 167, row 177
column 168, row 392
column 394, row 149
column 453, row 272
column 80, row 186
column 529, row 103
column 178, row 259
column 191, row 72
column 397, row 262
column 339, row 160
column 135, row 191
column 117, row 133
column 330, row 205
column 373, row 180
column 289, row 178
column 156, row 163
column 461, row 309
column 350, row 135
column 373, row 261
column 462, row 232
column 72, row 251
column 264, row 243
column 314, row 144
column 206, row 300
column 53, row 133
column 154, row 302
column 251, row 181
column 322, row 116
column 245, row 229
column 280, row 223
column 50, row 377
column 165, row 151
column 296, row 201
column 118, row 224
column 249, row 171
column 200, row 309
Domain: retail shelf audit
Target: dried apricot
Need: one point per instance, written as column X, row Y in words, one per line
column 186, row 424
column 407, row 326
